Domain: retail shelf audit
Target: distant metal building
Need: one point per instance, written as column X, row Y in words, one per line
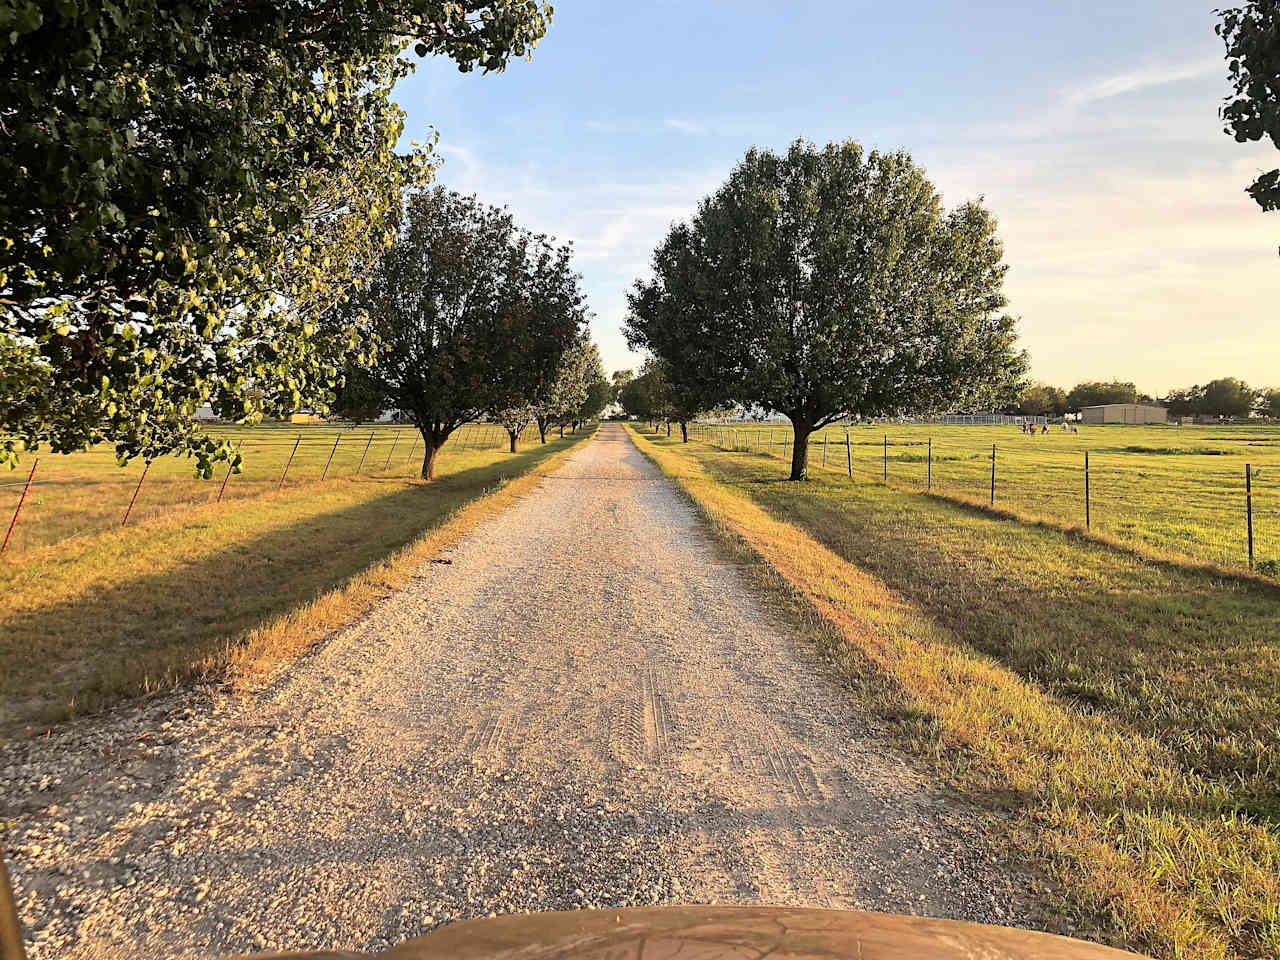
column 1133, row 413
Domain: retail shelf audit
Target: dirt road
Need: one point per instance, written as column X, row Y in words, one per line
column 586, row 705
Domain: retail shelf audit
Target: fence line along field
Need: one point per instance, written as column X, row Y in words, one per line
column 85, row 493
column 212, row 590
column 1175, row 490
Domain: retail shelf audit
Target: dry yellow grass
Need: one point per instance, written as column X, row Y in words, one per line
column 1142, row 763
column 229, row 589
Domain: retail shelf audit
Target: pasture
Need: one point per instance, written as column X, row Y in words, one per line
column 1124, row 707
column 200, row 589
column 87, row 493
column 1177, row 491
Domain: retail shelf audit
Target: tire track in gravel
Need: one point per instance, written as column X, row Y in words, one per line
column 587, row 706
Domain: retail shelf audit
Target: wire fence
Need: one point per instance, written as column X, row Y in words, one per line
column 57, row 497
column 1207, row 498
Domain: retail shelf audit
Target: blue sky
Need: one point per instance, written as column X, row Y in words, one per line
column 1091, row 131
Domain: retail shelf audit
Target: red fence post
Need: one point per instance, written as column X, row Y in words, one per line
column 145, row 467
column 288, row 463
column 21, row 500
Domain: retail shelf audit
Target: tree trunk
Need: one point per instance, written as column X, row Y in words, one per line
column 542, row 429
column 429, row 453
column 668, row 428
column 562, row 430
column 684, row 432
column 513, row 435
column 800, row 451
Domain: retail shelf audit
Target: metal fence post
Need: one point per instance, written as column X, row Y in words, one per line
column 325, row 473
column 413, row 446
column 993, row 475
column 929, row 476
column 365, row 454
column 824, row 449
column 1248, row 507
column 394, row 441
column 886, row 458
column 223, row 488
column 21, row 500
column 1088, row 520
column 134, row 499
column 848, row 454
column 288, row 463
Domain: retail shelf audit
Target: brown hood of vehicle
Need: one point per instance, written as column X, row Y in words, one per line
column 722, row 933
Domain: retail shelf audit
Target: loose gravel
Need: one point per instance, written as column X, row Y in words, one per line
column 586, row 706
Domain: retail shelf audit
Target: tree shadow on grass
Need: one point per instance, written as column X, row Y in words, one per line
column 1187, row 656
column 151, row 631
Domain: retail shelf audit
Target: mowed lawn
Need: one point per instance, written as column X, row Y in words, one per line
column 237, row 586
column 1174, row 490
column 1127, row 709
column 86, row 493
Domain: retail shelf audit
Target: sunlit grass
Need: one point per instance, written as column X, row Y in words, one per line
column 1126, row 707
column 1174, row 489
column 224, row 587
column 85, row 493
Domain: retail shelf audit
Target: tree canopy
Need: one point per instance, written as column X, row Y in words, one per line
column 1042, row 400
column 188, row 191
column 599, row 390
column 829, row 282
column 467, row 308
column 567, row 391
column 1095, row 392
column 1251, row 33
column 551, row 329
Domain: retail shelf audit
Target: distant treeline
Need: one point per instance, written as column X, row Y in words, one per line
column 1224, row 397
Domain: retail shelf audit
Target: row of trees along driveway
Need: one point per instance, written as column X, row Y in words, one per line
column 164, row 247
column 827, row 283
column 476, row 317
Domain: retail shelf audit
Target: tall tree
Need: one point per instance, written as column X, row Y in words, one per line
column 1042, row 400
column 1269, row 404
column 452, row 304
column 1095, row 392
column 829, row 282
column 617, row 380
column 641, row 396
column 1251, row 33
column 548, row 329
column 566, row 392
column 1228, row 397
column 358, row 399
column 187, row 190
column 1184, row 403
column 596, row 387
column 658, row 314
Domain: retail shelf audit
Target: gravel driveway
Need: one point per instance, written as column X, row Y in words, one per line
column 584, row 705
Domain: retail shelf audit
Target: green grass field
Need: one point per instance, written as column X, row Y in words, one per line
column 86, row 493
column 1174, row 490
column 201, row 589
column 1124, row 708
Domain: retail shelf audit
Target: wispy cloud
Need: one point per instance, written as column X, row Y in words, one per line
column 1144, row 78
column 684, row 126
